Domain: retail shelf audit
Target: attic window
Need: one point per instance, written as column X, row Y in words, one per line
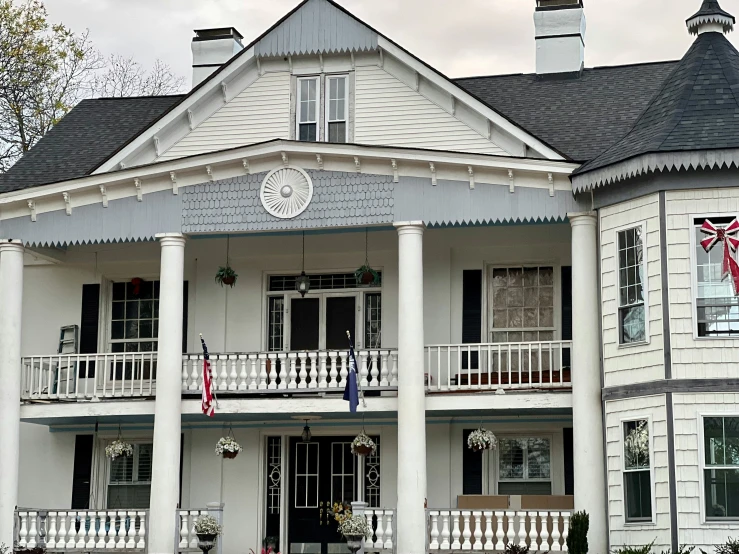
column 323, row 118
column 308, row 94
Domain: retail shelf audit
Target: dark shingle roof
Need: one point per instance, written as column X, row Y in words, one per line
column 581, row 117
column 84, row 138
column 710, row 8
column 697, row 108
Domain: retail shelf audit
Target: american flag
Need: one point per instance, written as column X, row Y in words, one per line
column 208, row 405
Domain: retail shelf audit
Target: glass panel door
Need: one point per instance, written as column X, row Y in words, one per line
column 340, row 318
column 304, row 323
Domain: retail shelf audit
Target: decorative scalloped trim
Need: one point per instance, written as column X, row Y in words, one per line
column 695, row 22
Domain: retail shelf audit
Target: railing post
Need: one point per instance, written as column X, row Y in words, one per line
column 215, row 509
column 358, row 509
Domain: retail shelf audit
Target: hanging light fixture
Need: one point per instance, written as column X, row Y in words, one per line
column 302, row 285
column 306, row 435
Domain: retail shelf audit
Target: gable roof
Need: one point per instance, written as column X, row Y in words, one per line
column 697, row 108
column 84, row 137
column 580, row 117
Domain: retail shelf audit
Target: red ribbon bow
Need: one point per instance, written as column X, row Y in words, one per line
column 727, row 235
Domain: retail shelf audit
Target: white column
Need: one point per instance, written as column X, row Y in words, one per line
column 11, row 294
column 589, row 464
column 165, row 478
column 411, row 512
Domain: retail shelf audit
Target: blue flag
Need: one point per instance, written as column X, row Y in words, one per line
column 351, row 390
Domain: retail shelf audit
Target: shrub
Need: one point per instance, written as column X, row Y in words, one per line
column 512, row 548
column 646, row 549
column 731, row 547
column 682, row 549
column 577, row 540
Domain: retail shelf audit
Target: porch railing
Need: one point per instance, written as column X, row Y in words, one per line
column 82, row 530
column 382, row 523
column 491, row 531
column 186, row 520
column 294, row 371
column 498, row 366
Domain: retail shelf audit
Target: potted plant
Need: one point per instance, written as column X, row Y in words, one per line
column 226, row 276
column 118, row 448
column 207, row 529
column 366, row 276
column 363, row 445
column 481, row 439
column 354, row 529
column 228, row 447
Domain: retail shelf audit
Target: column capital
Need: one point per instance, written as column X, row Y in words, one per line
column 410, row 227
column 11, row 245
column 171, row 239
column 582, row 218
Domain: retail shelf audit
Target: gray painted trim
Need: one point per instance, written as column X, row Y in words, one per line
column 674, row 530
column 675, row 386
column 666, row 332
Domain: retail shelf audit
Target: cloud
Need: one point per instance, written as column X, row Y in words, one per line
column 458, row 37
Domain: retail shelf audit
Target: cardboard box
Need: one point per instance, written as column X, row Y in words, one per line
column 482, row 502
column 547, row 502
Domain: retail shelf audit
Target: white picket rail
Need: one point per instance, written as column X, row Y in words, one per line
column 82, row 530
column 382, row 523
column 498, row 366
column 491, row 531
column 294, row 371
column 186, row 520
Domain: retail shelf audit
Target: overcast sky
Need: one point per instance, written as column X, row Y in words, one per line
column 458, row 37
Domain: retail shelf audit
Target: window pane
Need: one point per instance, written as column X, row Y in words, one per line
column 525, row 487
column 713, row 435
column 275, row 326
column 632, row 324
column 121, row 470
column 539, row 465
column 636, row 444
column 511, row 459
column 373, row 320
column 337, row 132
column 308, row 132
column 638, row 495
column 722, row 493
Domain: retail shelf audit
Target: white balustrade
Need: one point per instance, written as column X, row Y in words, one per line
column 491, row 531
column 498, row 366
column 382, row 523
column 186, row 520
column 82, row 530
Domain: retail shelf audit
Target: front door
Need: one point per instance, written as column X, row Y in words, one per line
column 322, row 473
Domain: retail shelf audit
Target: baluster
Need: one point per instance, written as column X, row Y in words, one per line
column 185, row 371
column 466, row 532
column 383, row 369
column 565, row 530
column 184, row 528
column 303, row 373
column 141, row 544
column 489, row 546
column 51, row 530
column 111, row 538
column 313, row 370
column 333, row 373
column 394, row 369
column 344, row 372
column 434, row 535
column 363, row 358
column 444, row 545
column 61, row 536
column 449, row 369
column 456, row 545
column 243, row 375
column 380, row 531
column 262, row 372
column 389, row 542
column 374, row 379
column 232, row 375
column 193, row 535
column 368, row 516
column 499, row 534
column 32, row 530
column 195, row 372
column 477, row 545
column 533, row 531
column 511, row 534
column 544, row 531
column 223, row 372
column 272, row 374
column 131, row 535
column 322, row 373
column 521, row 521
column 101, row 517
column 284, row 369
column 253, row 376
column 82, row 534
column 556, row 534
column 89, row 524
column 23, row 533
column 293, row 377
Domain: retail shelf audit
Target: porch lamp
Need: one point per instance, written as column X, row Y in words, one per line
column 307, row 435
column 302, row 285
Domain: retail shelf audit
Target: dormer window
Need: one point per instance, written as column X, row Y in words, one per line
column 322, row 118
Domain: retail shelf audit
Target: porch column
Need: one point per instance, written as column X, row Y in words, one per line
column 11, row 295
column 589, row 464
column 411, row 512
column 165, row 476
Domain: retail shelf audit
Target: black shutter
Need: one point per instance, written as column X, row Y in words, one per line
column 184, row 318
column 566, row 311
column 569, row 461
column 89, row 322
column 471, row 467
column 82, row 472
column 471, row 312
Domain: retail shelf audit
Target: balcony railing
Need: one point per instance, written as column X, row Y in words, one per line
column 82, row 530
column 186, row 520
column 491, row 531
column 133, row 374
column 382, row 523
column 498, row 366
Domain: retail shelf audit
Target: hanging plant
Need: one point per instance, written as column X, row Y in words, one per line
column 226, row 276
column 228, row 447
column 118, row 448
column 481, row 439
column 367, row 276
column 363, row 445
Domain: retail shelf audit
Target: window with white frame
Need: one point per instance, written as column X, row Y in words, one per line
column 134, row 316
column 721, row 467
column 522, row 304
column 524, row 466
column 717, row 308
column 322, row 118
column 129, row 483
column 337, row 108
column 631, row 305
column 308, row 109
column 637, row 471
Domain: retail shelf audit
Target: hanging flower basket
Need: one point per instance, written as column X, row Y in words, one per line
column 363, row 445
column 367, row 276
column 117, row 449
column 481, row 439
column 226, row 276
column 228, row 447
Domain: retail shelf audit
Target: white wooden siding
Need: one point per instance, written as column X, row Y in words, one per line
column 623, row 534
column 688, row 456
column 691, row 358
column 633, row 363
column 389, row 112
column 259, row 113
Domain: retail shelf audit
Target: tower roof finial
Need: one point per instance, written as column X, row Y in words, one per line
column 710, row 18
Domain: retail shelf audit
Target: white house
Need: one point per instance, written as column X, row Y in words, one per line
column 539, row 272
